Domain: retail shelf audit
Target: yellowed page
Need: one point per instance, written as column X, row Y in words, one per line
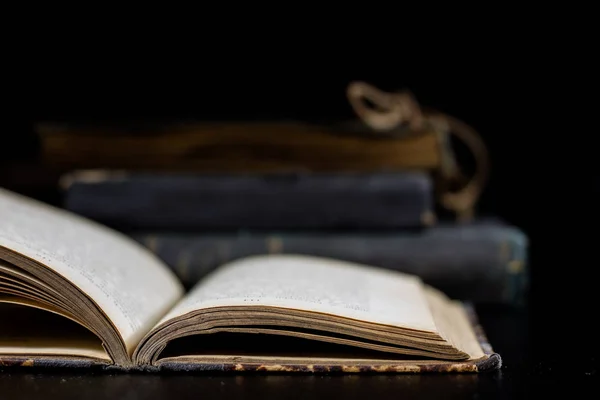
column 453, row 323
column 53, row 347
column 31, row 331
column 129, row 284
column 314, row 284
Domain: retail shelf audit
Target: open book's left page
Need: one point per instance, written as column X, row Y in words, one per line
column 131, row 287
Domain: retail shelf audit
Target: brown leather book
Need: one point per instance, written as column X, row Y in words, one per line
column 240, row 146
column 74, row 293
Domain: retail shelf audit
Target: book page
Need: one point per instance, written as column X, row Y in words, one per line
column 314, row 284
column 452, row 322
column 39, row 333
column 131, row 286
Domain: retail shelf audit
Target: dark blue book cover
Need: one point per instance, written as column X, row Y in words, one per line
column 279, row 201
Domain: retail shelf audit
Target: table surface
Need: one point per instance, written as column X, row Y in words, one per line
column 530, row 368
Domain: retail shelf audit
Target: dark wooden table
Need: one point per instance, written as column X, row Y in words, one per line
column 531, row 369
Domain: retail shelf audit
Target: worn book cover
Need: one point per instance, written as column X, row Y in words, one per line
column 175, row 202
column 225, row 147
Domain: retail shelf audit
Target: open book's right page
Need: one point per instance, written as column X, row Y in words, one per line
column 390, row 301
column 302, row 283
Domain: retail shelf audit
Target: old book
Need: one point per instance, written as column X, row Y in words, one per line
column 154, row 201
column 204, row 146
column 75, row 293
column 484, row 261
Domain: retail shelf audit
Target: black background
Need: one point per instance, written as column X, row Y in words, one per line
column 513, row 90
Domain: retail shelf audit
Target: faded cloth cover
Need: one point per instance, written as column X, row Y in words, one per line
column 280, row 201
column 491, row 361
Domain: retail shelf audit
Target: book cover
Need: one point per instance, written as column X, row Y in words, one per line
column 135, row 201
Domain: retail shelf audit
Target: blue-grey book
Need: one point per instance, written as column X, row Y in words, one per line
column 153, row 201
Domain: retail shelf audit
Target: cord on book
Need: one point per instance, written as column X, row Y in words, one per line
column 392, row 110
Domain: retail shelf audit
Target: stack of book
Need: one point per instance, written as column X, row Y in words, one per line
column 368, row 191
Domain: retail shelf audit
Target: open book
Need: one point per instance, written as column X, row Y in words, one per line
column 75, row 293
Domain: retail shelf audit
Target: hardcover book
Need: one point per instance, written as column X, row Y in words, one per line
column 483, row 262
column 136, row 201
column 225, row 147
column 75, row 293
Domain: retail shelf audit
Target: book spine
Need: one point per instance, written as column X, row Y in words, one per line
column 479, row 265
column 282, row 201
